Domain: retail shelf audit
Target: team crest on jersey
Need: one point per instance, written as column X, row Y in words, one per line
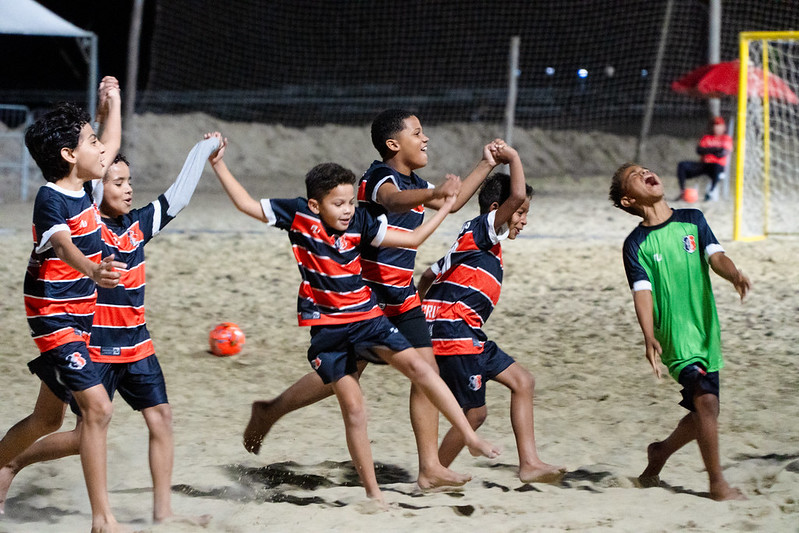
column 344, row 244
column 689, row 243
column 476, row 382
column 76, row 361
column 316, row 363
column 134, row 240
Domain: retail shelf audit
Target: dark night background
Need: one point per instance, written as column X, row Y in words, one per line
column 283, row 60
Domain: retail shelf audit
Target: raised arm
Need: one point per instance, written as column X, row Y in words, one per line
column 109, row 117
column 404, row 239
column 181, row 191
column 724, row 267
column 240, row 197
column 475, row 178
column 643, row 310
column 518, row 187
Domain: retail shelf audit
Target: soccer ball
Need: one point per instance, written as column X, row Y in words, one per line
column 226, row 339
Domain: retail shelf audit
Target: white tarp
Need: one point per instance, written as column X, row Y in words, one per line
column 26, row 17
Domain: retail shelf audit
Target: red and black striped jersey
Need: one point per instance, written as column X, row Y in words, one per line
column 59, row 300
column 389, row 271
column 119, row 331
column 332, row 289
column 466, row 289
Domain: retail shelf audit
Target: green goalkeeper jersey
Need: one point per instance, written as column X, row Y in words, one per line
column 670, row 260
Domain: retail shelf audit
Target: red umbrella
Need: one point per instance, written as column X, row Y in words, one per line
column 721, row 79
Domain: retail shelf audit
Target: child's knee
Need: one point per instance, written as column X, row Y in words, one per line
column 98, row 412
column 477, row 416
column 48, row 422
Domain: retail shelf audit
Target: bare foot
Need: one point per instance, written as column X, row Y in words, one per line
column 656, row 460
column 109, row 527
column 541, row 473
column 486, row 449
column 441, row 478
column 201, row 521
column 6, row 476
column 648, row 482
column 723, row 491
column 259, row 425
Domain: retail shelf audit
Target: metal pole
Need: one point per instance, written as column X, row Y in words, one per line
column 655, row 79
column 513, row 88
column 133, row 64
column 714, row 47
column 92, row 89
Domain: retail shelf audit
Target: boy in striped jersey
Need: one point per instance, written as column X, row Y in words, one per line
column 391, row 188
column 327, row 233
column 459, row 293
column 666, row 258
column 64, row 269
column 120, row 346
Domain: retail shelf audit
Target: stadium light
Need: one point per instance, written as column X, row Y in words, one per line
column 582, row 73
column 550, row 71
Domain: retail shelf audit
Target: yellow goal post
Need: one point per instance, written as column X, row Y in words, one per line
column 767, row 136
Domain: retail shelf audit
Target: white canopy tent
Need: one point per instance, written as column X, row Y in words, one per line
column 27, row 17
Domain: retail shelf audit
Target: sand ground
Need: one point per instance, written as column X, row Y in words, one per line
column 565, row 313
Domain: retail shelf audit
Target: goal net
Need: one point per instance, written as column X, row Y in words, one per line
column 767, row 152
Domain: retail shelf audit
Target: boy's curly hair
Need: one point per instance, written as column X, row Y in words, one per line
column 58, row 128
column 325, row 177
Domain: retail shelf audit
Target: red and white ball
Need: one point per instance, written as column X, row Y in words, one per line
column 226, row 339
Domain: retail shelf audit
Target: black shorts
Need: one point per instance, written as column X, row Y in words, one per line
column 66, row 368
column 413, row 327
column 140, row 383
column 333, row 349
column 695, row 379
column 466, row 375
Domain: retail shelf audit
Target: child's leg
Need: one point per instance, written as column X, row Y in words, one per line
column 47, row 416
column 424, row 421
column 412, row 365
column 307, row 390
column 96, row 409
column 353, row 410
column 707, row 436
column 522, row 385
column 659, row 452
column 453, row 443
column 54, row 446
column 161, row 457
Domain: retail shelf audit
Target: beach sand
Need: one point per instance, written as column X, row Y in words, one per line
column 565, row 313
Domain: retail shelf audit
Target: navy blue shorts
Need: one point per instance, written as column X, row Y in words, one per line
column 694, row 379
column 141, row 383
column 334, row 347
column 66, row 368
column 413, row 327
column 466, row 375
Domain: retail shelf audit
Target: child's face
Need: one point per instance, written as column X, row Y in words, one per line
column 336, row 208
column 641, row 186
column 117, row 191
column 519, row 220
column 411, row 144
column 719, row 129
column 88, row 155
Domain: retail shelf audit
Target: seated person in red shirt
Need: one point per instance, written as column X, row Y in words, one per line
column 714, row 149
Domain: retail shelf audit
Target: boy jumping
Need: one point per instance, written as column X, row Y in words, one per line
column 666, row 259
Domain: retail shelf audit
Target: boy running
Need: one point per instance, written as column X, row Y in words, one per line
column 327, row 233
column 391, row 188
column 459, row 292
column 64, row 269
column 120, row 343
